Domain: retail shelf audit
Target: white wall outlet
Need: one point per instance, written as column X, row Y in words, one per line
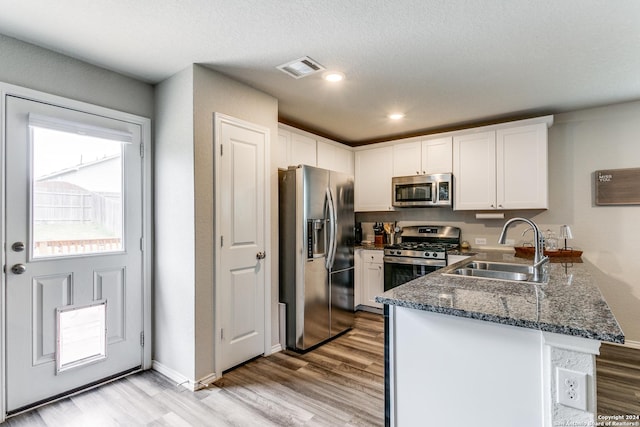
column 510, row 242
column 572, row 388
column 481, row 241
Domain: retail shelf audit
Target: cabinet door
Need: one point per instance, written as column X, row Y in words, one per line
column 334, row 158
column 407, row 159
column 303, row 150
column 284, row 145
column 437, row 155
column 373, row 281
column 373, row 169
column 474, row 171
column 521, row 173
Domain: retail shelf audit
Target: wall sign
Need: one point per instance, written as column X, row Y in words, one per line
column 618, row 187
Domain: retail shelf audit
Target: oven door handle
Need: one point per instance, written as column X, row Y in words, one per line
column 414, row 261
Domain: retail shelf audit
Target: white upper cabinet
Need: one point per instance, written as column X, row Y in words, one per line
column 437, row 155
column 501, row 169
column 474, row 171
column 407, row 159
column 334, row 157
column 521, row 167
column 423, row 157
column 373, row 171
column 296, row 147
column 303, row 150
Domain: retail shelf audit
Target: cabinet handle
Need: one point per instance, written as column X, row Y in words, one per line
column 499, row 206
column 417, row 172
column 492, row 206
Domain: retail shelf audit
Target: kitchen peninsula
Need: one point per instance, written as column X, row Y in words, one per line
column 471, row 351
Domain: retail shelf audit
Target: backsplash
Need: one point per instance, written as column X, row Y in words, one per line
column 487, row 230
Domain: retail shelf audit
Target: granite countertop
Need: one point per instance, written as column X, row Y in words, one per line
column 570, row 303
column 370, row 246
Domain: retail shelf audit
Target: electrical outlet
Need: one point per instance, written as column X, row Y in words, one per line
column 510, row 242
column 481, row 241
column 572, row 388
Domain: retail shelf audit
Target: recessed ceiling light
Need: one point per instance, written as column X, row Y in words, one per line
column 396, row 116
column 301, row 67
column 333, row 76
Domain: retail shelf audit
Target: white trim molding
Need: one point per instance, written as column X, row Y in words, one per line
column 181, row 380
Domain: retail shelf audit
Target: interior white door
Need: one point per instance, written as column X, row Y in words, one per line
column 241, row 219
column 73, row 259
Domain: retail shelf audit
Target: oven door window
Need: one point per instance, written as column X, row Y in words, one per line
column 398, row 274
column 414, row 192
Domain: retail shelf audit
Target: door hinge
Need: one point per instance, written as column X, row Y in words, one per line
column 221, row 334
column 221, row 241
column 142, row 244
column 141, row 339
column 221, row 149
column 141, row 150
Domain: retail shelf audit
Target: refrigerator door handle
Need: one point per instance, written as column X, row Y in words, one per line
column 331, row 252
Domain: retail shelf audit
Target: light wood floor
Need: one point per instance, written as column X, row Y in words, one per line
column 618, row 380
column 338, row 384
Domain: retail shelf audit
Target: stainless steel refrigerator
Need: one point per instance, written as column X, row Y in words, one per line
column 317, row 221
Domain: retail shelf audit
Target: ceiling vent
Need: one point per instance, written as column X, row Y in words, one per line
column 301, row 67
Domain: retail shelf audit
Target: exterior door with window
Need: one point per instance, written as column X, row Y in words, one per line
column 74, row 279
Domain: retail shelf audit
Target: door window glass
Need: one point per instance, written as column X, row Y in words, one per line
column 76, row 193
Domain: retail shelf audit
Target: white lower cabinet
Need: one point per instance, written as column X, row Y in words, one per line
column 369, row 280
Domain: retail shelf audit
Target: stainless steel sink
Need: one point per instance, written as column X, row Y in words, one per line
column 497, row 271
column 500, row 266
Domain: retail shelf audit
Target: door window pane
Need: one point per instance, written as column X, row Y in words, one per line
column 76, row 194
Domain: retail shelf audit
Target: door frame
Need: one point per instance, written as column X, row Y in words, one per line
column 218, row 119
column 147, row 212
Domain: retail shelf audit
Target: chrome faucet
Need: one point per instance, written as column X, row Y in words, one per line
column 539, row 259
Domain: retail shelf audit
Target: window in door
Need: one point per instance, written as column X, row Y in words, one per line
column 76, row 189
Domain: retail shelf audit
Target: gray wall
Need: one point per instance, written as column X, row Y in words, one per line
column 174, row 291
column 580, row 143
column 185, row 228
column 26, row 65
column 214, row 92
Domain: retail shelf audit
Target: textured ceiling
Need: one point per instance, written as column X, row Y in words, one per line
column 445, row 63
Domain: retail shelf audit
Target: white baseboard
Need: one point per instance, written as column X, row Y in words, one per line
column 180, row 379
column 276, row 348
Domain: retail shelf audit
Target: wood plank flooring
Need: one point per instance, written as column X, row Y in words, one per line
column 618, row 380
column 338, row 384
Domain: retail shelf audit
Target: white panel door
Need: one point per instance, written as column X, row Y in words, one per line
column 241, row 222
column 73, row 238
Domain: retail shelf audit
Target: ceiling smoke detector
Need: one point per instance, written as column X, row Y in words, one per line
column 301, row 67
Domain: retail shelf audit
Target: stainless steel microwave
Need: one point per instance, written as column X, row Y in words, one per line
column 422, row 190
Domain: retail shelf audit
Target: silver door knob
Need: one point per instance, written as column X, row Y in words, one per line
column 19, row 269
column 261, row 255
column 17, row 247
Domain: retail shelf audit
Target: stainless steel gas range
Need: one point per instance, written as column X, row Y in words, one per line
column 423, row 250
